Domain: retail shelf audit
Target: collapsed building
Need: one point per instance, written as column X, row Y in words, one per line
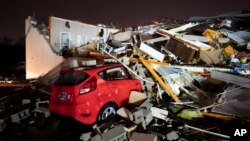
column 189, row 71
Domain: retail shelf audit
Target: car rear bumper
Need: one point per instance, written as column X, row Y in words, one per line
column 83, row 113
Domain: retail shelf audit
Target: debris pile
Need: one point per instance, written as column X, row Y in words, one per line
column 191, row 74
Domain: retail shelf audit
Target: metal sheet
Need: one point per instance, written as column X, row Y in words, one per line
column 237, row 102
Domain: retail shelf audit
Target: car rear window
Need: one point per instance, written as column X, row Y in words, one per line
column 71, row 78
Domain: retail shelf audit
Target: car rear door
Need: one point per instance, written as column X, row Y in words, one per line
column 120, row 84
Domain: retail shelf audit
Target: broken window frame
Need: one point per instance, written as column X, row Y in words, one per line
column 108, row 74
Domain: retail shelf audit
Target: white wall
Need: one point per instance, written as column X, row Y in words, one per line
column 39, row 57
column 79, row 33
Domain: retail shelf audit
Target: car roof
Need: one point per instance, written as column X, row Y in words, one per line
column 92, row 69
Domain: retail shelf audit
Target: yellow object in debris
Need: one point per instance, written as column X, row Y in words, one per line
column 190, row 114
column 158, row 78
column 228, row 51
column 212, row 35
column 244, row 60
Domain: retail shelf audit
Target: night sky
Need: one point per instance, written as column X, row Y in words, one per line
column 122, row 12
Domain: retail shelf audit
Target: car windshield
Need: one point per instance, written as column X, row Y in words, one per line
column 71, row 78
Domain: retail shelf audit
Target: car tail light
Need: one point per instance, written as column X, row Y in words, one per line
column 89, row 86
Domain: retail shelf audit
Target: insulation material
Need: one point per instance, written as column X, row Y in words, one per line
column 211, row 57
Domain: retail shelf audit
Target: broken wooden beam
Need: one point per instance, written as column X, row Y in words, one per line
column 218, row 116
column 161, row 82
column 189, row 43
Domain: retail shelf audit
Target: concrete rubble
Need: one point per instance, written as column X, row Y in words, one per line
column 192, row 73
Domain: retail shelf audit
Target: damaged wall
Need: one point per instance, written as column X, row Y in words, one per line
column 69, row 33
column 39, row 57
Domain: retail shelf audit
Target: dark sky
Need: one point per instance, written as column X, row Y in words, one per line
column 125, row 12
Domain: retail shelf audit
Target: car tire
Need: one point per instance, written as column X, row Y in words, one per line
column 109, row 110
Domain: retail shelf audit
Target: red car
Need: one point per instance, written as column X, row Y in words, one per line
column 91, row 95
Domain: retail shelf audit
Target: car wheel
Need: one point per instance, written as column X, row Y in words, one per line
column 107, row 111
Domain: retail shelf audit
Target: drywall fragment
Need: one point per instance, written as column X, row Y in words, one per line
column 125, row 113
column 211, row 57
column 136, row 97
